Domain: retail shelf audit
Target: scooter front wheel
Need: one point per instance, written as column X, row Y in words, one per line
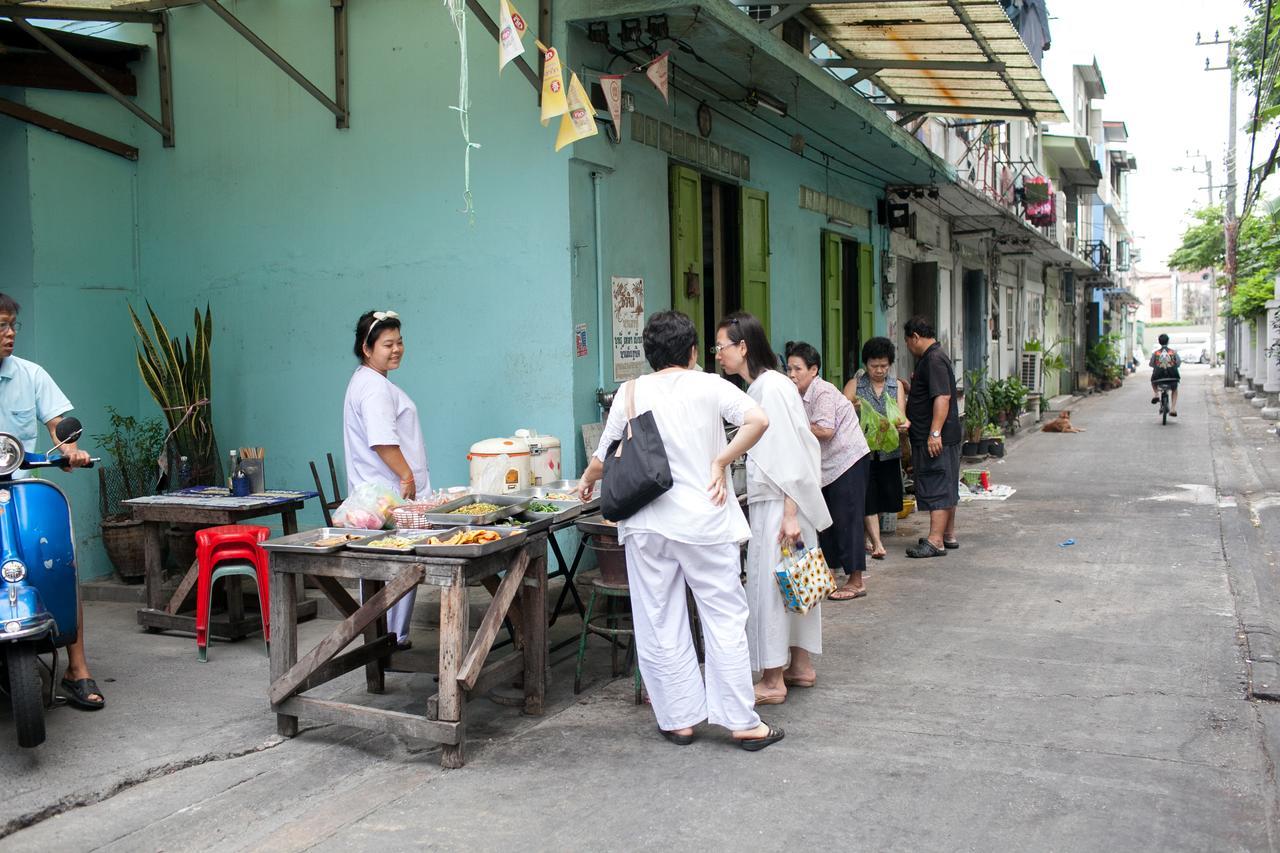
column 24, row 693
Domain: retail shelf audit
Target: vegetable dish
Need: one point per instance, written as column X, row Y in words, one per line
column 475, row 509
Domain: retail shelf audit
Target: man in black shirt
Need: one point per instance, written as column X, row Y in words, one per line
column 935, row 438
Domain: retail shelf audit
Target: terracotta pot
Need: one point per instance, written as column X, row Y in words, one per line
column 124, row 541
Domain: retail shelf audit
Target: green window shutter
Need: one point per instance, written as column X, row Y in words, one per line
column 832, row 309
column 686, row 248
column 866, row 291
column 754, row 219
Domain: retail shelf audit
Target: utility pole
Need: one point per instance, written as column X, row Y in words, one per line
column 1231, row 228
column 1213, row 271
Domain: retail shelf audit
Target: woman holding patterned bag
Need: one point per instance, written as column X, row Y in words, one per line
column 784, row 494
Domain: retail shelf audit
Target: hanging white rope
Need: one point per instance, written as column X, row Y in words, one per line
column 458, row 12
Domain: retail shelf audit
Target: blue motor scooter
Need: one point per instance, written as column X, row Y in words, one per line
column 39, row 586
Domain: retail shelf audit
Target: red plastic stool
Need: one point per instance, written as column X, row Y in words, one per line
column 232, row 549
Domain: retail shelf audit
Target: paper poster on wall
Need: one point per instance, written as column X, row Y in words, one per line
column 580, row 340
column 628, row 328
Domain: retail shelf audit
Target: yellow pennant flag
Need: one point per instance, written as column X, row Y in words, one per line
column 553, row 100
column 580, row 121
column 511, row 27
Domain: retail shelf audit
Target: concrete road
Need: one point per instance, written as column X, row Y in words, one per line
column 1014, row 694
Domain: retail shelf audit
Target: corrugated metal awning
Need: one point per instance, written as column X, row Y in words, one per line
column 958, row 57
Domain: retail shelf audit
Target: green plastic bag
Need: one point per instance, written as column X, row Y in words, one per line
column 880, row 430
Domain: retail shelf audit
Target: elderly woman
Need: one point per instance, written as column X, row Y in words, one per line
column 689, row 536
column 874, row 387
column 784, row 494
column 845, row 462
column 381, row 436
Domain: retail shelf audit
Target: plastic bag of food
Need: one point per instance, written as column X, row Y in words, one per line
column 881, row 431
column 368, row 506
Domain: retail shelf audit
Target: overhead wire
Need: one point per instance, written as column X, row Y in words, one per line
column 1257, row 104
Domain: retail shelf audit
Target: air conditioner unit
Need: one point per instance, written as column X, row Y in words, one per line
column 1031, row 374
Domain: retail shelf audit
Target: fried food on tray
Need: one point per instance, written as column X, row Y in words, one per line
column 340, row 539
column 469, row 537
column 560, row 496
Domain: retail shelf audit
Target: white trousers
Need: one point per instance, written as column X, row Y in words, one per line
column 772, row 630
column 658, row 570
column 399, row 615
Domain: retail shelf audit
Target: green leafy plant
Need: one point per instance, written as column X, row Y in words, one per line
column 977, row 403
column 1008, row 399
column 993, row 431
column 1103, row 359
column 178, row 375
column 135, row 445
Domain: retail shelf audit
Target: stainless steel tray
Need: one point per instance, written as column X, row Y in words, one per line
column 571, row 486
column 595, row 525
column 366, row 545
column 511, row 538
column 509, row 506
column 565, row 511
column 299, row 542
column 528, row 523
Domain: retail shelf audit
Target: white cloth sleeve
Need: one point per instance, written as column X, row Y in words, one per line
column 613, row 427
column 733, row 404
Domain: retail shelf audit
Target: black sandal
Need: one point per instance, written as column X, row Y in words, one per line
column 676, row 738
column 79, row 691
column 755, row 744
column 926, row 549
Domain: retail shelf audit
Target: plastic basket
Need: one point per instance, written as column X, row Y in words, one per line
column 413, row 515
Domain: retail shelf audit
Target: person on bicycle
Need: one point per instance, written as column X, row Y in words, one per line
column 1164, row 366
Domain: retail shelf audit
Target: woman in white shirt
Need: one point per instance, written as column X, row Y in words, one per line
column 784, row 494
column 690, row 535
column 381, row 436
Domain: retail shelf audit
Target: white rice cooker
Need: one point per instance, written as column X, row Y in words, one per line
column 544, row 456
column 499, row 466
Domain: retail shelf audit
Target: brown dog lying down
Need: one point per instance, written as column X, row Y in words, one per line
column 1062, row 423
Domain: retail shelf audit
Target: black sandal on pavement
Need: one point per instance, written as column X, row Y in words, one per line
column 79, row 691
column 950, row 546
column 926, row 549
column 676, row 738
column 1155, row 400
column 1173, row 414
column 755, row 744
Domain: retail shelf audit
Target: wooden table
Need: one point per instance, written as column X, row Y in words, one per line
column 463, row 672
column 205, row 507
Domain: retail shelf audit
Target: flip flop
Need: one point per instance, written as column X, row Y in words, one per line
column 836, row 596
column 79, row 691
column 878, row 556
column 755, row 744
column 677, row 739
column 771, row 700
column 799, row 682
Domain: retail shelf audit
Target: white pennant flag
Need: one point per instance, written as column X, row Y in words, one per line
column 612, row 86
column 511, row 27
column 657, row 72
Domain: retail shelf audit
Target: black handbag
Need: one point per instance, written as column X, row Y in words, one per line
column 636, row 470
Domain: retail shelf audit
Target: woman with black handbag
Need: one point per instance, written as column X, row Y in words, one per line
column 688, row 535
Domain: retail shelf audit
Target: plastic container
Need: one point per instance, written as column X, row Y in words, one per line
column 544, row 456
column 500, row 466
column 611, row 557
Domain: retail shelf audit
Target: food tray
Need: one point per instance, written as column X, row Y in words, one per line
column 595, row 525
column 297, row 542
column 511, row 537
column 366, row 545
column 531, row 524
column 571, row 487
column 566, row 510
column 508, row 504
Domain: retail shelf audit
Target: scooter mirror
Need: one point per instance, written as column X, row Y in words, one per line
column 68, row 430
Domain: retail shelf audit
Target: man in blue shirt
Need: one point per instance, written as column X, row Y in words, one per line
column 28, row 398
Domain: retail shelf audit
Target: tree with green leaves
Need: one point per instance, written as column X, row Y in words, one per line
column 1257, row 255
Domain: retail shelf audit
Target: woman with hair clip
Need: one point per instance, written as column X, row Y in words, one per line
column 784, row 494
column 381, row 435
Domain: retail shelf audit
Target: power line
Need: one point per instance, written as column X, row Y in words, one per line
column 1257, row 103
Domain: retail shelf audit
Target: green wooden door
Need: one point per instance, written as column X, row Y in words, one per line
column 832, row 308
column 754, row 219
column 866, row 292
column 686, row 248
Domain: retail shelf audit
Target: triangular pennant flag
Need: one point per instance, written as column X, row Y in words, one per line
column 511, row 27
column 553, row 100
column 658, row 72
column 580, row 120
column 612, row 86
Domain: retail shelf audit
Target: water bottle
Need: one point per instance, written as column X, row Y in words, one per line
column 184, row 472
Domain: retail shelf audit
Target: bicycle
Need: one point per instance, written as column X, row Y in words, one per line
column 1165, row 386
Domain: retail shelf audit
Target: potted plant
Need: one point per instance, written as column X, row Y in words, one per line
column 135, row 447
column 179, row 376
column 993, row 441
column 1103, row 362
column 1008, row 398
column 977, row 409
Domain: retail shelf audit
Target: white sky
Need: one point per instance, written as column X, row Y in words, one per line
column 1156, row 84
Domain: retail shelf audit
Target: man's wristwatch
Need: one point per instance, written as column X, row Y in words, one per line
column 936, row 433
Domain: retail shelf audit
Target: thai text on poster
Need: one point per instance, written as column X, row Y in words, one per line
column 628, row 328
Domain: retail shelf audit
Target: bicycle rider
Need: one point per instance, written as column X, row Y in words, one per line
column 1164, row 365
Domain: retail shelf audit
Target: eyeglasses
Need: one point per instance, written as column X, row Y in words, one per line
column 716, row 349
column 10, row 327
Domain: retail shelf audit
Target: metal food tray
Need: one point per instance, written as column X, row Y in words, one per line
column 566, row 511
column 509, row 506
column 366, row 545
column 594, row 524
column 531, row 523
column 297, row 542
column 511, row 537
column 571, row 486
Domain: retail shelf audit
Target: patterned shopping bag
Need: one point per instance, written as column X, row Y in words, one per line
column 805, row 579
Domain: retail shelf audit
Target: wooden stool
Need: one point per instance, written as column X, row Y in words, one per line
column 610, row 630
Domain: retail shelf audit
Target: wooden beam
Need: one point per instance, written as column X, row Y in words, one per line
column 393, row 722
column 164, row 65
column 911, row 64
column 492, row 28
column 958, row 109
column 344, row 663
column 42, row 71
column 46, row 12
column 492, row 622
column 24, row 113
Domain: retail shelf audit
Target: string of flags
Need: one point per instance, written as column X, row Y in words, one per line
column 573, row 105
